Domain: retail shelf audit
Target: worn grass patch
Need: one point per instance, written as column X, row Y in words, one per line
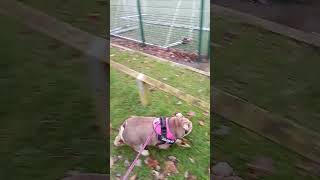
column 124, row 102
column 47, row 112
column 269, row 70
column 188, row 81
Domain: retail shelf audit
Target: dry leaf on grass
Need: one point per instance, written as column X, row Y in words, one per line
column 206, row 113
column 172, row 158
column 186, row 174
column 152, row 163
column 191, row 160
column 126, row 163
column 114, row 159
column 191, row 114
column 191, row 177
column 134, row 177
column 183, row 143
column 170, row 167
column 201, row 122
column 157, row 175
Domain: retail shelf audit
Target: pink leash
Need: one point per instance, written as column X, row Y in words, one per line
column 125, row 177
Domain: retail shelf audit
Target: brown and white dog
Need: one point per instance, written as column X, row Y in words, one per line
column 135, row 131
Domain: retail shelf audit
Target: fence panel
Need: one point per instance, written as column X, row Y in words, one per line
column 166, row 23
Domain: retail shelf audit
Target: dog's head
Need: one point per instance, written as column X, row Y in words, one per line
column 180, row 125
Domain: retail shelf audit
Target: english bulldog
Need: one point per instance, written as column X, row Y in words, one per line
column 163, row 131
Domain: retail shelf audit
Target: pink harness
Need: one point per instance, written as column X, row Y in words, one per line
column 170, row 138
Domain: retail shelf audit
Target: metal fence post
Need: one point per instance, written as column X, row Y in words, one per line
column 209, row 47
column 141, row 22
column 201, row 31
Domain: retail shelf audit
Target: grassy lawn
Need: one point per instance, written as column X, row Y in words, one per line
column 125, row 102
column 47, row 111
column 188, row 81
column 90, row 16
column 248, row 146
column 269, row 70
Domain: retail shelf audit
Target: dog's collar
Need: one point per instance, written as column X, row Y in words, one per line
column 161, row 127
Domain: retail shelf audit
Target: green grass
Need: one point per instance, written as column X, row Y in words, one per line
column 76, row 13
column 188, row 81
column 47, row 111
column 240, row 147
column 125, row 102
column 269, row 70
column 249, row 145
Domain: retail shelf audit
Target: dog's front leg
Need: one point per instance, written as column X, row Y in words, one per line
column 138, row 148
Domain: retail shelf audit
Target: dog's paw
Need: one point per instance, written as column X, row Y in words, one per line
column 118, row 142
column 145, row 153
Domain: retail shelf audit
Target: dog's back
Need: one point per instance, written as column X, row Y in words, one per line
column 135, row 130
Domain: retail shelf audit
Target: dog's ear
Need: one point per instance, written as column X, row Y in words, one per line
column 187, row 126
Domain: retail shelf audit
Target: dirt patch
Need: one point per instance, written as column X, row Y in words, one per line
column 175, row 55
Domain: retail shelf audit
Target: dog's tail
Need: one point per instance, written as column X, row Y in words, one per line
column 119, row 138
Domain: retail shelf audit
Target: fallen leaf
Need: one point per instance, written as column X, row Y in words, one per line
column 186, row 174
column 201, row 122
column 191, row 177
column 170, row 167
column 182, row 143
column 191, row 113
column 158, row 168
column 126, row 163
column 191, row 160
column 138, row 163
column 172, row 158
column 113, row 160
column 152, row 163
column 206, row 113
column 134, row 177
column 118, row 175
column 157, row 175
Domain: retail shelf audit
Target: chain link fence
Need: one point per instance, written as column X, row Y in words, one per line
column 179, row 24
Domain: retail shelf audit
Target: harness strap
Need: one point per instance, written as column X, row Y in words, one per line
column 163, row 137
column 163, row 131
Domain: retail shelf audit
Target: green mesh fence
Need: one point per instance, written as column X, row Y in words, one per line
column 165, row 23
